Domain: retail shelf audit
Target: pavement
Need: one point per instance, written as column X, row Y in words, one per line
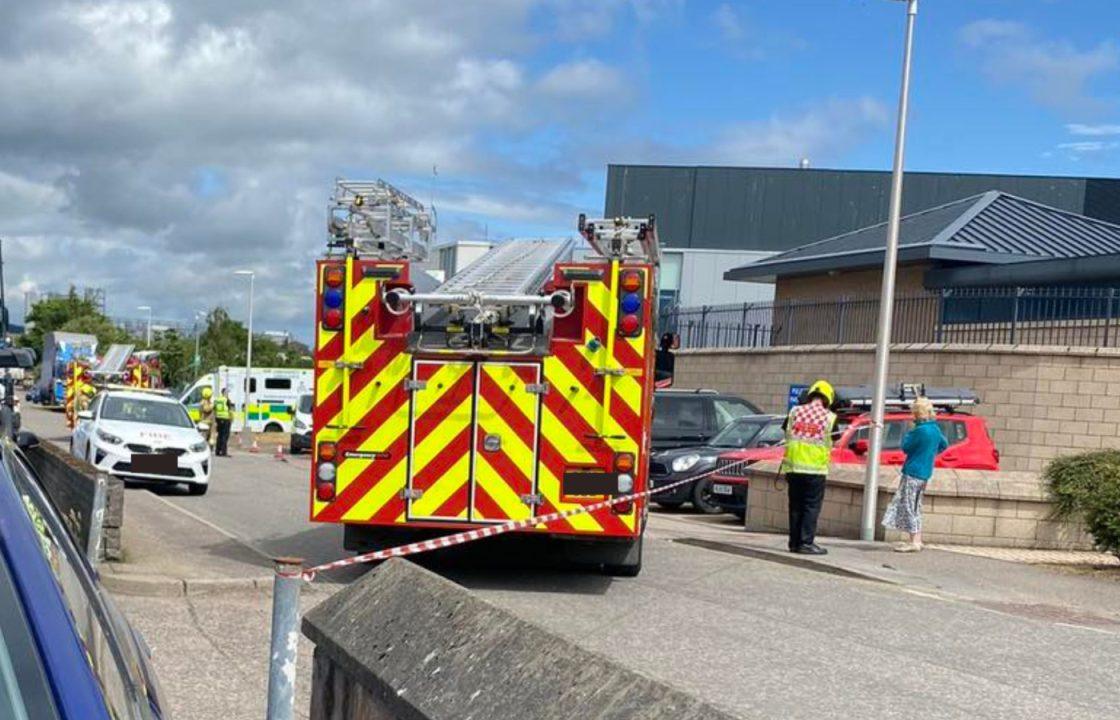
column 716, row 612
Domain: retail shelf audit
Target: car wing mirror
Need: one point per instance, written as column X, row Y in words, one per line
column 860, row 447
column 26, row 440
column 85, row 415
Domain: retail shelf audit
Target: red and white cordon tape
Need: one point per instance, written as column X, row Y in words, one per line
column 494, row 530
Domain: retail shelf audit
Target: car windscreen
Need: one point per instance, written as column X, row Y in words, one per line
column 738, row 434
column 305, row 404
column 149, row 412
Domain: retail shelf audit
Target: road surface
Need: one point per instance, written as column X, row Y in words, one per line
column 758, row 638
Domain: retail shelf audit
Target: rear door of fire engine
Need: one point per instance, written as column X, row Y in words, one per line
column 473, row 440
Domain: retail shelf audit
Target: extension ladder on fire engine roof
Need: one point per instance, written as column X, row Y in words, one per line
column 375, row 219
column 516, row 267
column 114, row 360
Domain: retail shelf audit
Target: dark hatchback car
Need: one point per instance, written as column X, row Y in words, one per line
column 688, row 418
column 69, row 653
column 670, row 466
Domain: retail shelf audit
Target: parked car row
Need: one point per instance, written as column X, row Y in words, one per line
column 698, row 431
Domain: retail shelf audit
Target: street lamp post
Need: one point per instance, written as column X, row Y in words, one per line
column 198, row 315
column 886, row 297
column 246, row 432
column 148, row 336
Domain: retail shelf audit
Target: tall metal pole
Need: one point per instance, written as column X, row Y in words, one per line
column 246, row 431
column 886, row 298
column 3, row 300
column 148, row 335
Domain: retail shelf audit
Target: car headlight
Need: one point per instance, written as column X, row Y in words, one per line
column 685, row 463
column 199, row 447
column 299, row 425
column 109, row 437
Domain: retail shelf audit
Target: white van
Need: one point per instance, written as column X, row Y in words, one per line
column 273, row 395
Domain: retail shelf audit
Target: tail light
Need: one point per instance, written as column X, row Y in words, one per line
column 624, row 462
column 326, row 471
column 333, row 297
column 632, row 284
column 624, row 508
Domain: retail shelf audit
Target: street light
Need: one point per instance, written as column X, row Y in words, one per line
column 198, row 315
column 246, row 433
column 886, row 298
column 148, row 341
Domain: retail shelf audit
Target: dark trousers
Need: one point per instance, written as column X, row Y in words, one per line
column 806, row 493
column 223, row 437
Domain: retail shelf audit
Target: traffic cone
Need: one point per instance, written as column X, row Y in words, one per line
column 280, row 454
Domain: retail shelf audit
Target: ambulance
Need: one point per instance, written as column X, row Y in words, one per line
column 273, row 395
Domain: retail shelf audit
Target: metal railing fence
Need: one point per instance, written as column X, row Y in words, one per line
column 1082, row 317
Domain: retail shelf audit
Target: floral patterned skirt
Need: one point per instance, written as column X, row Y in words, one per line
column 905, row 510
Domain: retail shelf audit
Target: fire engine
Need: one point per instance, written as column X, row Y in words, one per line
column 520, row 387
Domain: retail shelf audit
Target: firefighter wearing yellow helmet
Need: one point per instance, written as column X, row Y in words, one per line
column 206, row 416
column 808, row 452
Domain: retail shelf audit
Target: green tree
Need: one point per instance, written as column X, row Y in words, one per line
column 53, row 313
column 176, row 357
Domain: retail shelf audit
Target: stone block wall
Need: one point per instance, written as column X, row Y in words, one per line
column 1040, row 402
column 966, row 507
column 70, row 483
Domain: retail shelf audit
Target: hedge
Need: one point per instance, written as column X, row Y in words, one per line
column 1087, row 487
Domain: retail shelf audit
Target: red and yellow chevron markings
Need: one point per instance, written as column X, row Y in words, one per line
column 362, row 406
column 507, row 415
column 440, row 457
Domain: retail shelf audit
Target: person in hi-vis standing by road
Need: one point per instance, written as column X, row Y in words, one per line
column 224, row 418
column 808, row 453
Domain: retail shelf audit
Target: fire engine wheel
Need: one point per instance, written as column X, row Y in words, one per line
column 630, row 564
column 669, row 505
column 702, row 497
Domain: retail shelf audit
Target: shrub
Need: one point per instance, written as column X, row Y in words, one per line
column 1087, row 486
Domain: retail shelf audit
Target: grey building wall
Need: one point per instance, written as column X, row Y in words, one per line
column 776, row 209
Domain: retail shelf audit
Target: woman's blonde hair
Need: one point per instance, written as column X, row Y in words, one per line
column 923, row 409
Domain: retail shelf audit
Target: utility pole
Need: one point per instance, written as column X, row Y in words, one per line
column 3, row 300
column 886, row 297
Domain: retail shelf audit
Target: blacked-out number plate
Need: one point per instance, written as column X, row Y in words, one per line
column 154, row 464
column 584, row 482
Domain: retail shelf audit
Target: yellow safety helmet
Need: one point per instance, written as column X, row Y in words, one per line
column 207, row 392
column 824, row 389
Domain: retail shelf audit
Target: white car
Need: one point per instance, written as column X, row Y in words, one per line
column 143, row 436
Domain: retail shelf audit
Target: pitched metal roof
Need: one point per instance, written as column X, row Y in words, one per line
column 993, row 228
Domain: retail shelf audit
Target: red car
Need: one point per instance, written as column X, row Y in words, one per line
column 970, row 448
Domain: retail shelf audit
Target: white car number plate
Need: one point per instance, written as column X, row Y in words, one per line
column 720, row 489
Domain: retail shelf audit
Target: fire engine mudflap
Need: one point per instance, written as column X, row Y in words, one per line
column 521, row 387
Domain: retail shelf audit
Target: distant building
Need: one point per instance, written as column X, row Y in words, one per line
column 714, row 218
column 445, row 260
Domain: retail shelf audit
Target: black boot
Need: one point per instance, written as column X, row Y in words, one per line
column 813, row 549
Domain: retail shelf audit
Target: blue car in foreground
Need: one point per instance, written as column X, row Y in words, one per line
column 65, row 650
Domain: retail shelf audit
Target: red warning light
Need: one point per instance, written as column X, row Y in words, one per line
column 629, row 325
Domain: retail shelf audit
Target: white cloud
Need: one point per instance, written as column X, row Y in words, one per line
column 589, row 79
column 1088, row 146
column 1056, row 73
column 1092, row 130
column 819, row 133
column 728, row 23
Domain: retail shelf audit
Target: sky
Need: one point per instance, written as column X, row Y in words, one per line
column 152, row 147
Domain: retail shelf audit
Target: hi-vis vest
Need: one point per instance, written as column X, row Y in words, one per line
column 221, row 408
column 808, row 439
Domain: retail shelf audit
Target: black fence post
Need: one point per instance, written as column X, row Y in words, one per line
column 1015, row 314
column 743, row 324
column 1108, row 314
column 704, row 326
column 840, row 321
column 939, row 336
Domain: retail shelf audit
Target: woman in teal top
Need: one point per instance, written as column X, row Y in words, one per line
column 922, row 445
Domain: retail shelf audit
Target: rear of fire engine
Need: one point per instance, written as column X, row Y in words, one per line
column 521, row 387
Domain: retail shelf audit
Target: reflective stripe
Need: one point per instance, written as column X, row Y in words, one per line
column 808, row 440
